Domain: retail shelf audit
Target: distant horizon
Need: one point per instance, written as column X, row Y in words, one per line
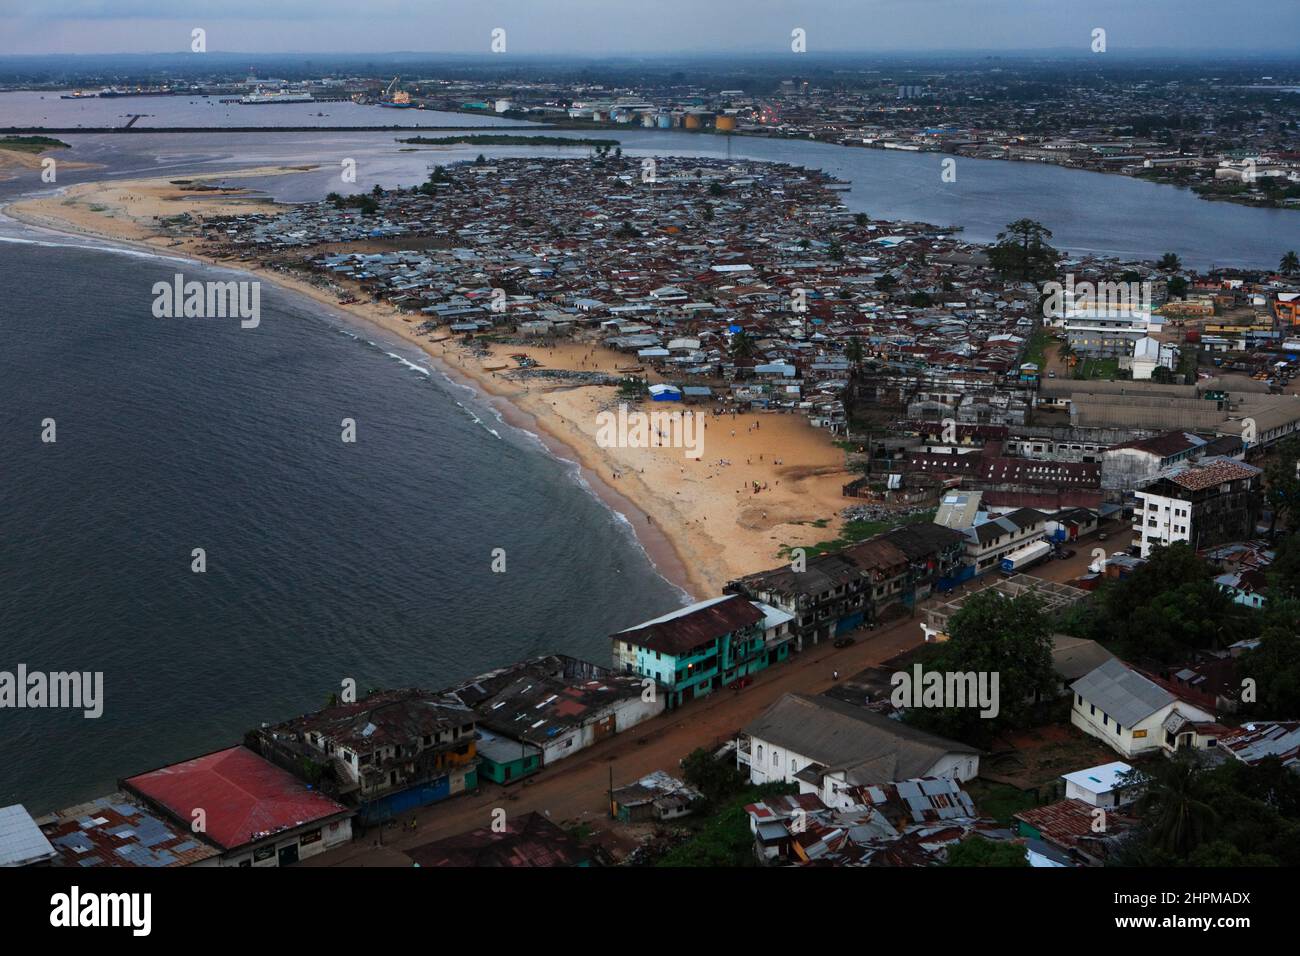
column 1194, row 54
column 593, row 27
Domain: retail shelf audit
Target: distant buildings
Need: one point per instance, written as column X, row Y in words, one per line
column 1260, row 740
column 549, row 708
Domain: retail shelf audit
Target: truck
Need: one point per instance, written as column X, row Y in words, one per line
column 1026, row 557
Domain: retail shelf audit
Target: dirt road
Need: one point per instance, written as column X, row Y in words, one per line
column 575, row 789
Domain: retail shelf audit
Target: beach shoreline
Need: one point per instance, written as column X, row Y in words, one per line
column 698, row 528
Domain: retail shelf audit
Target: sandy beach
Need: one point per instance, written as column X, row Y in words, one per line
column 701, row 520
column 14, row 162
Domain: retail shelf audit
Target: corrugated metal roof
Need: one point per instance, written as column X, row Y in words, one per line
column 1121, row 693
column 21, row 841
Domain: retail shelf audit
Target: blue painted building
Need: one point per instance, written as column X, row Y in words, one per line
column 698, row 649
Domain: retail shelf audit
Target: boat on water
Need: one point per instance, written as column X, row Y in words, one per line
column 395, row 99
column 281, row 96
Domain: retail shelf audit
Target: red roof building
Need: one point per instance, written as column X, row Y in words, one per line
column 248, row 806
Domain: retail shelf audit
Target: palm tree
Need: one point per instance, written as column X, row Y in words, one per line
column 1169, row 262
column 742, row 346
column 1290, row 264
column 1171, row 805
column 853, row 351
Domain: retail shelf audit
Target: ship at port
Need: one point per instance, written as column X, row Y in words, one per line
column 394, row 98
column 282, row 96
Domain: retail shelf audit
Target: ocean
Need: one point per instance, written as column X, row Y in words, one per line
column 325, row 560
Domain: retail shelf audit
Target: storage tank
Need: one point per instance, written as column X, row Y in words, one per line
column 648, row 120
column 664, row 121
column 692, row 121
column 725, row 123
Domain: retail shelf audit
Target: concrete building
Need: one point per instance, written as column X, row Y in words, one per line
column 389, row 752
column 253, row 812
column 1100, row 786
column 827, row 746
column 554, row 706
column 1110, row 334
column 698, row 649
column 1133, row 715
column 988, row 542
column 1201, row 504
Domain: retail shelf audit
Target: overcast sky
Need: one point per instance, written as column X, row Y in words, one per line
column 642, row 26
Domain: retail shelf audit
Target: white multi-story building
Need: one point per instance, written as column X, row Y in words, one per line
column 1203, row 504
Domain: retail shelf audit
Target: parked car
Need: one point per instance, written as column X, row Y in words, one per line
column 843, row 641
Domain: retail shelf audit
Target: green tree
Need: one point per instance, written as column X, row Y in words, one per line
column 1169, row 262
column 724, row 841
column 742, row 346
column 1167, row 606
column 1176, row 287
column 1172, row 804
column 977, row 851
column 853, row 351
column 715, row 779
column 992, row 635
column 1290, row 264
column 1282, row 483
column 633, row 388
column 1022, row 251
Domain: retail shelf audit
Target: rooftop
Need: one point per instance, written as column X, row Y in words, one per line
column 244, row 798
